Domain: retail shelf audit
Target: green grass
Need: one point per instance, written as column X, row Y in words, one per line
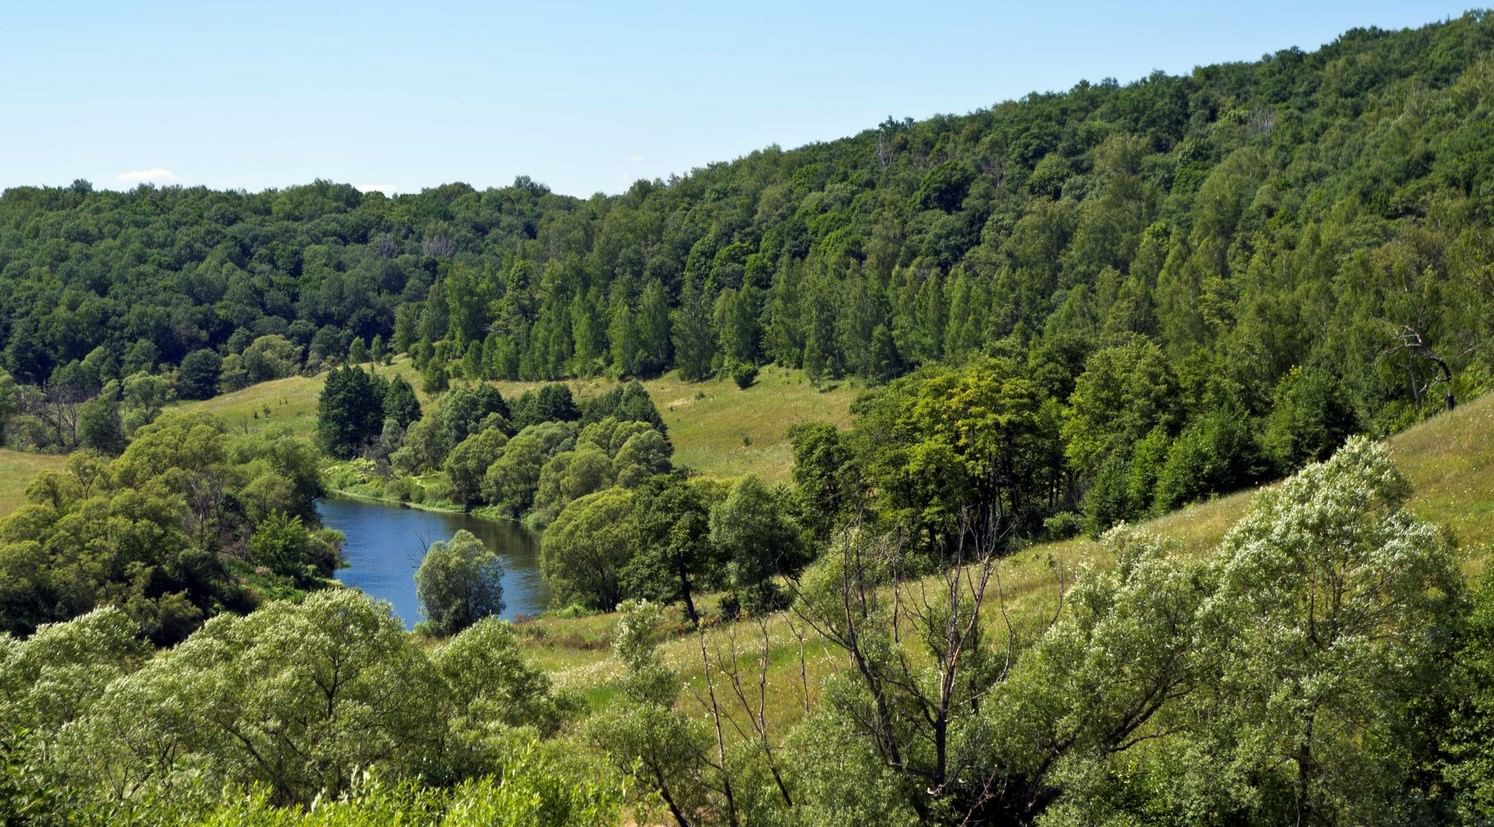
column 17, row 470
column 722, row 431
column 717, row 429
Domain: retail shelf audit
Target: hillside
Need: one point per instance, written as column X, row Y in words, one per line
column 1449, row 459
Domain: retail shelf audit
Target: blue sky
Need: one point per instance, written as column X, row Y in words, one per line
column 583, row 97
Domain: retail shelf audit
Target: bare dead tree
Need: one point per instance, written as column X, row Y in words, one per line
column 713, row 708
column 1410, row 340
column 751, row 696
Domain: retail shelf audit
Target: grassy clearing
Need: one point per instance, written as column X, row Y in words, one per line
column 1449, row 459
column 289, row 402
column 17, row 470
column 717, row 429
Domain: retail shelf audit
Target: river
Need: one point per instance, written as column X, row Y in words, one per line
column 385, row 544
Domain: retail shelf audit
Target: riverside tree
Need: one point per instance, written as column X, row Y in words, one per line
column 459, row 582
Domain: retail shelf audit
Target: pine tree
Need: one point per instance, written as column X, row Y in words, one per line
column 350, row 412
column 622, row 335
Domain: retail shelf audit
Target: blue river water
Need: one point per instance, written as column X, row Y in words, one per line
column 385, row 544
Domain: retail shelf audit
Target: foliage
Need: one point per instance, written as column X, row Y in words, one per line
column 350, row 412
column 754, row 534
column 582, row 554
column 160, row 530
column 459, row 583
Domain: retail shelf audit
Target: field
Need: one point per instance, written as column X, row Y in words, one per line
column 717, row 429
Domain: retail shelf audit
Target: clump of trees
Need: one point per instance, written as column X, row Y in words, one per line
column 173, row 530
column 298, row 701
column 1290, row 675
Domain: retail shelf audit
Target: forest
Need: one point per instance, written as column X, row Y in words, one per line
column 1068, row 314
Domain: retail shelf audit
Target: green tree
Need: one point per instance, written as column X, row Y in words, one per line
column 1310, row 417
column 469, row 461
column 294, row 697
column 1125, row 391
column 674, row 554
column 284, row 545
column 644, row 735
column 459, row 583
column 197, row 376
column 693, row 337
column 1332, row 601
column 583, row 553
column 653, row 328
column 758, row 539
column 350, row 412
column 511, row 482
column 400, row 403
column 99, row 425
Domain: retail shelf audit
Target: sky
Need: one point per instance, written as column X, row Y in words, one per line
column 583, row 97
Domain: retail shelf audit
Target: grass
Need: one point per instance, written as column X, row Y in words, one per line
column 717, row 429
column 17, row 470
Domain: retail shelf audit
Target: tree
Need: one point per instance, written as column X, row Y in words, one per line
column 99, row 425
column 142, row 399
column 693, row 337
column 434, row 378
column 511, row 482
column 1332, row 603
column 641, row 456
column 400, row 402
column 759, row 540
column 284, row 545
column 350, row 412
column 827, row 475
column 645, row 735
column 294, row 697
column 459, row 582
column 197, row 376
column 358, row 351
column 470, row 460
column 1310, row 418
column 653, row 328
column 674, row 551
column 582, row 554
column 1125, row 391
column 270, row 357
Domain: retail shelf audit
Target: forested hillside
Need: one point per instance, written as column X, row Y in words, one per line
column 1326, row 209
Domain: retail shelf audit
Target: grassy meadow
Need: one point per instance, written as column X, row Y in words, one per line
column 717, row 428
column 17, row 469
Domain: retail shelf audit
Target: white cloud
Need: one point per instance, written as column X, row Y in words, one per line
column 145, row 176
column 387, row 189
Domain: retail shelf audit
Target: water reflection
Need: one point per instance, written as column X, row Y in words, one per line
column 385, row 544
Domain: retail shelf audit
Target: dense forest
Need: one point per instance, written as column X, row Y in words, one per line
column 1326, row 210
column 1071, row 311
